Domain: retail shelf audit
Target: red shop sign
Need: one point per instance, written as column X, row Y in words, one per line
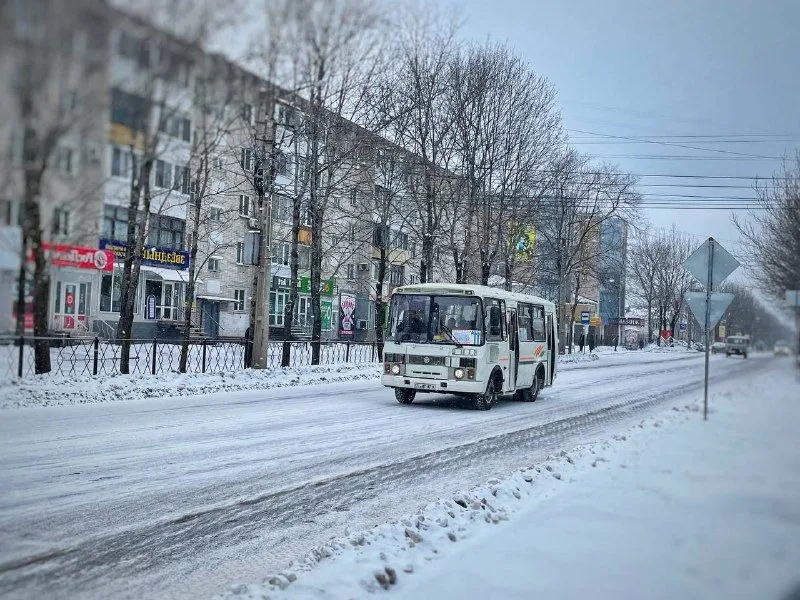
column 78, row 257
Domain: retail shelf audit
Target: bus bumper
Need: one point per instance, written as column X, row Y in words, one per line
column 444, row 386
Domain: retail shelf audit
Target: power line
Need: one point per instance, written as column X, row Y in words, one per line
column 672, row 144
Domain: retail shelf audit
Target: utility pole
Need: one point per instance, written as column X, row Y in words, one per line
column 263, row 176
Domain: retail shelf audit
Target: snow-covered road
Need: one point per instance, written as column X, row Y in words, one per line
column 177, row 497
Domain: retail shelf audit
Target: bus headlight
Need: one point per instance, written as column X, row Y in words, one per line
column 396, row 369
column 459, row 373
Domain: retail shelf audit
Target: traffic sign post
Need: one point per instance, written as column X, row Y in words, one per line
column 584, row 317
column 710, row 264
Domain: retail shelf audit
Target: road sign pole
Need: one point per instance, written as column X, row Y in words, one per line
column 709, row 286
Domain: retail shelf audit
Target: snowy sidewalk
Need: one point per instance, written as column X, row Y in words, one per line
column 697, row 510
column 675, row 508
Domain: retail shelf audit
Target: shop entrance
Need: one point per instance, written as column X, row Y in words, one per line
column 71, row 306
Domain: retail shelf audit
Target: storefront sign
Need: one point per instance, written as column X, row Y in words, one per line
column 326, row 286
column 633, row 321
column 347, row 324
column 155, row 257
column 77, row 257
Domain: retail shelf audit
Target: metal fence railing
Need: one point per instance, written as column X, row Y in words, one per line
column 95, row 356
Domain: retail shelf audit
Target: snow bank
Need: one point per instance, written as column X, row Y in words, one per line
column 59, row 390
column 674, row 507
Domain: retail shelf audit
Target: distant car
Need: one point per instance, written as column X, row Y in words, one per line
column 782, row 348
column 717, row 347
column 699, row 347
column 739, row 344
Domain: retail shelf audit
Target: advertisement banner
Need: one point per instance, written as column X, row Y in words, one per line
column 155, row 257
column 347, row 323
column 326, row 307
column 77, row 257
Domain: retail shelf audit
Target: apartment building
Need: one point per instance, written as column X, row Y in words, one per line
column 195, row 116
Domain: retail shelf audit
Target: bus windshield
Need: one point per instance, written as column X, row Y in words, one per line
column 454, row 320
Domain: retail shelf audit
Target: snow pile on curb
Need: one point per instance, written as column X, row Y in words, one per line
column 62, row 390
column 577, row 358
column 382, row 558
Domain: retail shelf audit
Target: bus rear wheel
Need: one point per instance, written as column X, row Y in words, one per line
column 404, row 395
column 532, row 393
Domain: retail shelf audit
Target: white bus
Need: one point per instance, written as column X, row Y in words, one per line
column 469, row 340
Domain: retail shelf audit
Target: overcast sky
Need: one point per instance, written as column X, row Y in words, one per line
column 725, row 68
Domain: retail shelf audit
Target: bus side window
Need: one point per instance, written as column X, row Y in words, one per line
column 494, row 320
column 538, row 324
column 525, row 324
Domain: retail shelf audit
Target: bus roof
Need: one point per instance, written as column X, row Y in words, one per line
column 466, row 289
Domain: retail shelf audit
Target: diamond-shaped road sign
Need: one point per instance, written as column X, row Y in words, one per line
column 723, row 263
column 717, row 305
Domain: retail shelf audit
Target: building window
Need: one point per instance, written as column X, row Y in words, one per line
column 181, row 180
column 216, row 162
column 396, row 275
column 352, row 232
column 111, row 293
column 412, row 279
column 351, row 272
column 246, row 160
column 176, row 126
column 238, row 305
column 247, row 113
column 115, row 222
column 277, row 304
column 60, row 222
column 215, row 214
column 353, row 197
column 244, row 205
column 240, row 253
column 5, row 211
column 128, row 109
column 213, row 264
column 282, row 164
column 304, row 257
column 134, row 48
column 281, row 252
column 122, row 162
column 63, row 160
column 163, row 174
column 166, row 232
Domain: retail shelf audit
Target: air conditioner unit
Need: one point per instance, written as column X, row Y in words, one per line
column 252, row 223
column 363, row 266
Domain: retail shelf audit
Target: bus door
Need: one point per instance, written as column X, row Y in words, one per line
column 513, row 349
column 551, row 350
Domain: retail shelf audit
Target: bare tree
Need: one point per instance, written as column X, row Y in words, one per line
column 335, row 52
column 216, row 89
column 773, row 231
column 642, row 267
column 148, row 103
column 52, row 100
column 569, row 221
column 672, row 281
column 415, row 103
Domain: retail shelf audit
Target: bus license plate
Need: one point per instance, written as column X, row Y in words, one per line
column 423, row 386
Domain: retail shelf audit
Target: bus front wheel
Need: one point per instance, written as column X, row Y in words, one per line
column 404, row 395
column 486, row 400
